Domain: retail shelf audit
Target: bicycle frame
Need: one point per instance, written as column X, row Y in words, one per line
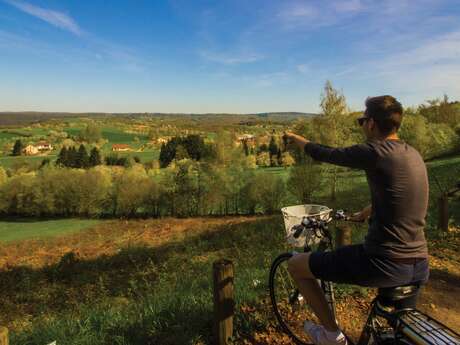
column 398, row 328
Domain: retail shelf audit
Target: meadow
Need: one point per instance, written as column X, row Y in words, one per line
column 26, row 228
column 149, row 281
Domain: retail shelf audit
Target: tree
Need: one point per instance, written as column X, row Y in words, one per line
column 273, row 150
column 263, row 148
column 279, row 159
column 287, row 160
column 131, row 191
column 91, row 134
column 305, row 180
column 271, row 192
column 333, row 131
column 72, row 157
column 94, row 157
column 263, row 159
column 181, row 153
column 167, row 152
column 17, row 149
column 245, row 148
column 63, row 157
column 82, row 158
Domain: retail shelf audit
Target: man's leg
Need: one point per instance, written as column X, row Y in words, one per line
column 299, row 268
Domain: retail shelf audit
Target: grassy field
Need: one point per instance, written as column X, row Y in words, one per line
column 149, row 281
column 20, row 229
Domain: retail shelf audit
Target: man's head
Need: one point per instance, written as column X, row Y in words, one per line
column 382, row 117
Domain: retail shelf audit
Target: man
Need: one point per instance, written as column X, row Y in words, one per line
column 394, row 252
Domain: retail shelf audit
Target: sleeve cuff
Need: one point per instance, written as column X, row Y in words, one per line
column 308, row 147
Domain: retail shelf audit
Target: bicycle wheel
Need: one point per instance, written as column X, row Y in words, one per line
column 290, row 308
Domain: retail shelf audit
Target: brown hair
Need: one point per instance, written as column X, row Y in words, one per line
column 386, row 111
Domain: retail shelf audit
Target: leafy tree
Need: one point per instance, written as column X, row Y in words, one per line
column 17, row 149
column 193, row 145
column 272, row 147
column 332, row 128
column 305, row 180
column 63, row 157
column 94, row 157
column 287, row 160
column 82, row 158
column 263, row 159
column 263, row 148
column 91, row 134
column 72, row 159
column 181, row 153
column 167, row 152
column 131, row 191
column 245, row 148
column 271, row 192
column 279, row 158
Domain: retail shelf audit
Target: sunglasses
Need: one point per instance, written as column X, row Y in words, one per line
column 361, row 120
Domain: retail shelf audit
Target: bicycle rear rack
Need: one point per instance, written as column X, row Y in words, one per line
column 424, row 330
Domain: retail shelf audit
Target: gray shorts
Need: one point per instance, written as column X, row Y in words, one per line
column 351, row 265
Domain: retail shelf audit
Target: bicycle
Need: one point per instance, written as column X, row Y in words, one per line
column 390, row 321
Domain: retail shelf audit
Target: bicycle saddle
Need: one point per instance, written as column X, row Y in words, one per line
column 399, row 292
column 399, row 297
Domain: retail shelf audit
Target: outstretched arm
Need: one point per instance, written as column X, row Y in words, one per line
column 360, row 156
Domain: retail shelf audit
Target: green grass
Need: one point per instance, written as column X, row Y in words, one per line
column 113, row 135
column 145, row 156
column 22, row 229
column 11, row 161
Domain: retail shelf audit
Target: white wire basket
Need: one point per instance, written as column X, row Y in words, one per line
column 293, row 215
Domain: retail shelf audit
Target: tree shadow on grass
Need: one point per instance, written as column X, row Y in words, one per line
column 130, row 277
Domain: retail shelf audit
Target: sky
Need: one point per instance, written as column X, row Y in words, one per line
column 233, row 56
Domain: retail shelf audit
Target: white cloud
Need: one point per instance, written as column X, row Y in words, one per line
column 429, row 69
column 230, row 59
column 304, row 68
column 297, row 14
column 58, row 19
column 348, row 6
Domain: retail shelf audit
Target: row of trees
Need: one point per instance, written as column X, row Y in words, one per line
column 73, row 158
column 192, row 146
column 186, row 188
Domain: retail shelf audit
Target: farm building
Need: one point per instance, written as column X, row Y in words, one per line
column 120, row 147
column 44, row 146
column 30, row 150
column 249, row 139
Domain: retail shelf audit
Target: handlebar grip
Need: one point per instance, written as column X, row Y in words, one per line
column 298, row 231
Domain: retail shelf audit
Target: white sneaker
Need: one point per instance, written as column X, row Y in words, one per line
column 320, row 336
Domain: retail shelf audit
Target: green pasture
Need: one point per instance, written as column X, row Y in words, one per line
column 145, row 156
column 20, row 229
column 17, row 161
column 113, row 135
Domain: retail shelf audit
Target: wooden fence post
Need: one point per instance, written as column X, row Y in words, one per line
column 224, row 303
column 443, row 212
column 342, row 235
column 4, row 336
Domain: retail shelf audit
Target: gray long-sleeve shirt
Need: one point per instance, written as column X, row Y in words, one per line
column 397, row 177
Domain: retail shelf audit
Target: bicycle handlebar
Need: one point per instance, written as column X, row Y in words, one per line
column 314, row 223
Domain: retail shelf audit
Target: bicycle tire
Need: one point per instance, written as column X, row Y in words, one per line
column 289, row 309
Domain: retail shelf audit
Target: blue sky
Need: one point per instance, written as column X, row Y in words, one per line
column 224, row 55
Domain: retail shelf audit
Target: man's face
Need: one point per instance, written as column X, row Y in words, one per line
column 367, row 124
